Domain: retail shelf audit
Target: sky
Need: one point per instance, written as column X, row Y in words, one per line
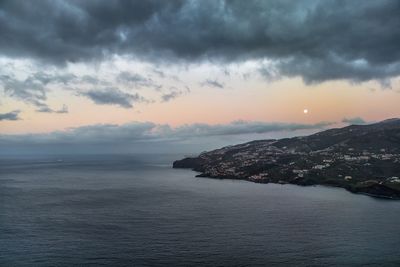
column 162, row 76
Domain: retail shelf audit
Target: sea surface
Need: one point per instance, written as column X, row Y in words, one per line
column 133, row 210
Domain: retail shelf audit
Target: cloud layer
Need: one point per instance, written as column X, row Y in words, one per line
column 318, row 40
column 148, row 131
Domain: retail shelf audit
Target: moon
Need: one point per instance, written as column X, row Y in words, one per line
column 305, row 111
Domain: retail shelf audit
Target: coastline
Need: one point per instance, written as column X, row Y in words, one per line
column 349, row 189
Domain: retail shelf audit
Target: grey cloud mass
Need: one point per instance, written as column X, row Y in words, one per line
column 46, row 109
column 169, row 96
column 113, row 96
column 137, row 80
column 30, row 90
column 173, row 93
column 33, row 89
column 318, row 40
column 355, row 120
column 10, row 116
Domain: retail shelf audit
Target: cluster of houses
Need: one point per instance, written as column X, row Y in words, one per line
column 238, row 164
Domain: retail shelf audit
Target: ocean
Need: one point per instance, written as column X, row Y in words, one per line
column 135, row 210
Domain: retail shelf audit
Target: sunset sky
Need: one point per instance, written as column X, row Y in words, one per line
column 112, row 73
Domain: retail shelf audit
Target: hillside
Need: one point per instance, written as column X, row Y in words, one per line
column 361, row 158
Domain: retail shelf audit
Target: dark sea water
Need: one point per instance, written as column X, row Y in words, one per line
column 138, row 211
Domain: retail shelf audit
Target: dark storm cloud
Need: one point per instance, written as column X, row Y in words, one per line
column 60, row 31
column 318, row 40
column 10, row 116
column 113, row 96
column 212, row 83
column 355, row 120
